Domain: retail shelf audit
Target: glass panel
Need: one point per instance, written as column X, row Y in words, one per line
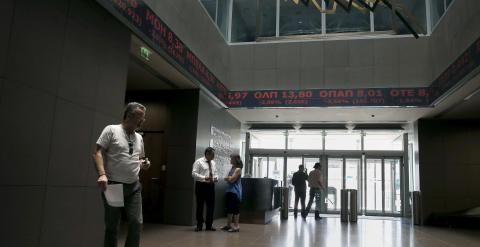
column 292, row 167
column 383, row 18
column 296, row 19
column 267, row 139
column 222, row 16
column 416, row 14
column 260, row 167
column 275, row 168
column 268, row 18
column 310, row 162
column 352, row 172
column 388, row 186
column 210, row 6
column 342, row 140
column 305, row 140
column 342, row 21
column 437, row 8
column 374, row 185
column 244, row 20
column 392, row 186
column 383, row 141
column 335, row 175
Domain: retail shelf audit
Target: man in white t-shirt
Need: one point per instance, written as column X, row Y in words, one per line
column 315, row 182
column 118, row 157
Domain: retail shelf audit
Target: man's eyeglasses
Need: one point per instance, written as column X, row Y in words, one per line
column 130, row 147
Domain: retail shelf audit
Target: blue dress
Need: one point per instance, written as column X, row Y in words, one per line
column 235, row 187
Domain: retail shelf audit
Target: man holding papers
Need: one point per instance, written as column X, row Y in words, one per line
column 118, row 157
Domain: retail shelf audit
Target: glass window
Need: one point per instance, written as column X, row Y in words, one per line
column 305, row 140
column 219, row 12
column 259, row 167
column 383, row 18
column 342, row 140
column 334, row 183
column 414, row 12
column 267, row 167
column 211, row 7
column 267, row 139
column 222, row 16
column 244, row 20
column 342, row 21
column 374, row 190
column 292, row 167
column 296, row 19
column 437, row 8
column 275, row 168
column 267, row 18
column 383, row 141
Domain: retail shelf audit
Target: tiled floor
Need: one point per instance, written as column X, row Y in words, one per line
column 368, row 232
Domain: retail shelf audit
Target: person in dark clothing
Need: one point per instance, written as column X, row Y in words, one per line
column 298, row 181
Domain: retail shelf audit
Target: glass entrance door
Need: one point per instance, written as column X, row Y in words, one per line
column 383, row 186
column 334, row 183
column 342, row 173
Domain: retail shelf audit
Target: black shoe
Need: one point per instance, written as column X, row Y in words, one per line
column 198, row 229
column 304, row 215
column 225, row 228
column 317, row 215
column 211, row 229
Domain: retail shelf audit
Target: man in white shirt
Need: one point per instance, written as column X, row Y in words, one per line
column 118, row 157
column 205, row 174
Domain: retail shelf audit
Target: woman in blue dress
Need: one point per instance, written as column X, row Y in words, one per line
column 233, row 194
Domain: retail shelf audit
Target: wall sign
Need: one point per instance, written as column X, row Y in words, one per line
column 331, row 97
column 222, row 143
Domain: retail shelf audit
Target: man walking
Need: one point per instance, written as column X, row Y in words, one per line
column 316, row 186
column 118, row 157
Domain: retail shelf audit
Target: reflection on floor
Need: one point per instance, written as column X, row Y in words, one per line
column 367, row 232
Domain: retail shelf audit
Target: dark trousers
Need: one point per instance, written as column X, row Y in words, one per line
column 205, row 194
column 300, row 195
column 315, row 193
column 132, row 196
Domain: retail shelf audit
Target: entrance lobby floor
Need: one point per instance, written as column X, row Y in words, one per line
column 367, row 232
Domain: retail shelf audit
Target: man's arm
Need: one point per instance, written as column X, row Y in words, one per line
column 98, row 159
column 195, row 174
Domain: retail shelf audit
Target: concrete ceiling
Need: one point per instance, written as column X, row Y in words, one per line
column 158, row 74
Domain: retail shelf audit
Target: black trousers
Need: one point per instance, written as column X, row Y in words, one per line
column 300, row 195
column 205, row 194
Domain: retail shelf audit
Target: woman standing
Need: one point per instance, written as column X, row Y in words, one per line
column 233, row 194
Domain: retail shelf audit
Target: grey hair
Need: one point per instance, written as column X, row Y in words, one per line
column 130, row 109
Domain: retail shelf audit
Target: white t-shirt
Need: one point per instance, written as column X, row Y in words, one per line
column 120, row 165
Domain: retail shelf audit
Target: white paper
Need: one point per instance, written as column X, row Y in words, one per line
column 114, row 195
